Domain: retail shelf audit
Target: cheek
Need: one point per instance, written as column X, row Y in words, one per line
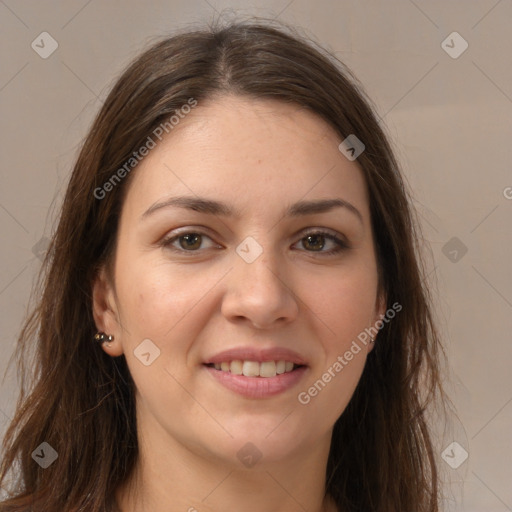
column 164, row 303
column 161, row 304
column 345, row 303
column 328, row 393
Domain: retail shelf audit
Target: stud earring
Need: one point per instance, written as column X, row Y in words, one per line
column 101, row 337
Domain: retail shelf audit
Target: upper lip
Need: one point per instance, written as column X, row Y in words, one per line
column 258, row 354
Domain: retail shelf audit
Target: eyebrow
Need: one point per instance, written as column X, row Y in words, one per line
column 213, row 207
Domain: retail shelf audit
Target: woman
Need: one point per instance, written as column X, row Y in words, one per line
column 234, row 314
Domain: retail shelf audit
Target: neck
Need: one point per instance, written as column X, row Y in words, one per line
column 229, row 491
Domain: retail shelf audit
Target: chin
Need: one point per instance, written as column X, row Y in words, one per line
column 267, row 439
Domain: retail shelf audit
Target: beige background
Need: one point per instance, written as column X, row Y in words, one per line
column 450, row 120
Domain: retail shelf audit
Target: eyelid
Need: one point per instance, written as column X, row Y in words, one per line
column 168, row 239
column 338, row 238
column 323, row 231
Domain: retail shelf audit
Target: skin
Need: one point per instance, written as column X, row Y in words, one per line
column 258, row 156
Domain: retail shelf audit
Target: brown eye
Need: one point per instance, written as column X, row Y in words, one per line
column 315, row 242
column 190, row 241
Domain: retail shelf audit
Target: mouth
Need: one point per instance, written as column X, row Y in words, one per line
column 256, row 379
column 257, row 372
column 247, row 368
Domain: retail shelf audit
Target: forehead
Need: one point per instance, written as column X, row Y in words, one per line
column 248, row 149
column 259, row 124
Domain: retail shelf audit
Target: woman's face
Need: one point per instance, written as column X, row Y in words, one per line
column 227, row 278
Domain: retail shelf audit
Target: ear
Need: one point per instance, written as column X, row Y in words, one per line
column 105, row 312
column 380, row 311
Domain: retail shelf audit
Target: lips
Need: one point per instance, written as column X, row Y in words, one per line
column 259, row 355
column 257, row 373
column 254, row 369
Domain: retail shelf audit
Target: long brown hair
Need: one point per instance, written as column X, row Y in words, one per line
column 81, row 401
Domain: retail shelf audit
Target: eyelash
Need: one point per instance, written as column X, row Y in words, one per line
column 341, row 244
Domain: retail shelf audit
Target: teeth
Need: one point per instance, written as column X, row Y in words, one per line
column 255, row 369
column 268, row 369
column 251, row 369
column 237, row 367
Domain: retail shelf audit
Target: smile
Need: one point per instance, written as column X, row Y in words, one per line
column 255, row 369
column 254, row 380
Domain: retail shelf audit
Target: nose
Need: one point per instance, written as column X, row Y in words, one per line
column 260, row 294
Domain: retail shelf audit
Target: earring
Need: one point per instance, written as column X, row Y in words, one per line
column 101, row 337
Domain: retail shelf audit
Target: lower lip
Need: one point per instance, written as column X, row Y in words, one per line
column 258, row 387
